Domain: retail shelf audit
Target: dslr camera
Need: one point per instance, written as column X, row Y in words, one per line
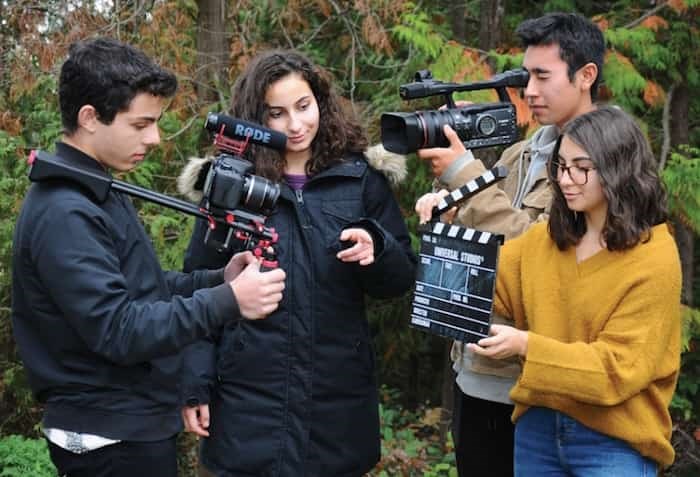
column 229, row 183
column 231, row 193
column 477, row 125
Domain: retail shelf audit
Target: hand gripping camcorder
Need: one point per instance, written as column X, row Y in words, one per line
column 477, row 125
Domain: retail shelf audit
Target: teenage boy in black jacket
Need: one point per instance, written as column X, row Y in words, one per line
column 98, row 323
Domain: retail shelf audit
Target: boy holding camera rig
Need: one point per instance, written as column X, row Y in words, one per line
column 564, row 57
column 98, row 323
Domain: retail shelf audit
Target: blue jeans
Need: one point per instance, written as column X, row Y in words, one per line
column 551, row 444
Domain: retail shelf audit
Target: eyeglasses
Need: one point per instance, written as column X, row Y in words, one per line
column 577, row 174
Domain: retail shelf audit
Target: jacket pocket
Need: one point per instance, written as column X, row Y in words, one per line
column 335, row 216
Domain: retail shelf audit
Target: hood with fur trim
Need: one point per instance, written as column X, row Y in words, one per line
column 191, row 179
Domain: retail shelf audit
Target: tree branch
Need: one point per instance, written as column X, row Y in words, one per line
column 284, row 32
column 353, row 49
column 183, row 129
column 649, row 13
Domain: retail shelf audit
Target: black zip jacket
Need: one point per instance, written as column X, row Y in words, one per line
column 97, row 322
column 295, row 394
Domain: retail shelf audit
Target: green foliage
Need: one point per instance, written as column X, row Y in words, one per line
column 417, row 29
column 12, row 185
column 21, row 457
column 22, row 410
column 559, row 6
column 411, row 442
column 503, row 62
column 686, row 400
column 170, row 232
column 682, row 179
column 625, row 82
column 38, row 109
column 642, row 45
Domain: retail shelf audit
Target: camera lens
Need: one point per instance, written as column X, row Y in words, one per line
column 402, row 133
column 260, row 194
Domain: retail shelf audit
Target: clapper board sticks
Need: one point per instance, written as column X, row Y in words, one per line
column 456, row 275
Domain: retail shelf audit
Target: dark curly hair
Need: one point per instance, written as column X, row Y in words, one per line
column 628, row 175
column 339, row 133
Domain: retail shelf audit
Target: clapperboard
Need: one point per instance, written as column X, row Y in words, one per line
column 456, row 276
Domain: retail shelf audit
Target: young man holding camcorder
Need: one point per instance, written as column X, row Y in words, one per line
column 564, row 58
column 98, row 324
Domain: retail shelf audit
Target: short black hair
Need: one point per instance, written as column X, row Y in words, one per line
column 580, row 41
column 107, row 74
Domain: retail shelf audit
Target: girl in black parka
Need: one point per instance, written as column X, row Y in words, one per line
column 295, row 394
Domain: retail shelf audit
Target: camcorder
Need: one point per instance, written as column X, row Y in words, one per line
column 477, row 125
column 234, row 202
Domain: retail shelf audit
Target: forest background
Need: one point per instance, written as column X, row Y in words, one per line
column 652, row 70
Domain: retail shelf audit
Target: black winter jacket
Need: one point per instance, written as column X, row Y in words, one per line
column 295, row 394
column 97, row 322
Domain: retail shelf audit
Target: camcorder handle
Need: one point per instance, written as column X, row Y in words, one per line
column 487, row 179
column 248, row 228
column 426, row 86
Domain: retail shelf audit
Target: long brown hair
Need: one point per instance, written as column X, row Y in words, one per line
column 339, row 132
column 628, row 175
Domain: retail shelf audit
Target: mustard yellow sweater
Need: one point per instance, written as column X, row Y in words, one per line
column 604, row 334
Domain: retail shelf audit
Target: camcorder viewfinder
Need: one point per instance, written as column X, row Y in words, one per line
column 477, row 125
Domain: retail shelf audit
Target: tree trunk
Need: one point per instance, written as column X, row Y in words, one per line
column 457, row 11
column 212, row 50
column 680, row 106
column 491, row 14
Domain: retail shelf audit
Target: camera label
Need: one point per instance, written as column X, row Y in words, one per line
column 255, row 134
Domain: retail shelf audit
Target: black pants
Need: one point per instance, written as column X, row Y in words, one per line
column 483, row 436
column 124, row 459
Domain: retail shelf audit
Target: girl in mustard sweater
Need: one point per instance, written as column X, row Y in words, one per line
column 595, row 296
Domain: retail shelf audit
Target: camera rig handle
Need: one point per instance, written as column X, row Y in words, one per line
column 244, row 226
